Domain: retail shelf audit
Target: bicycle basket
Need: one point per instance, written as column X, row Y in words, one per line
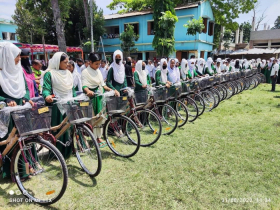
column 174, row 92
column 194, row 85
column 117, row 105
column 32, row 121
column 248, row 73
column 141, row 97
column 242, row 73
column 160, row 95
column 223, row 78
column 211, row 81
column 202, row 83
column 78, row 112
column 186, row 87
column 217, row 79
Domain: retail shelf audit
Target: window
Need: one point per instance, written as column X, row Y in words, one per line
column 205, row 25
column 12, row 36
column 151, row 28
column 135, row 26
column 211, row 29
column 112, row 32
column 5, row 35
column 201, row 54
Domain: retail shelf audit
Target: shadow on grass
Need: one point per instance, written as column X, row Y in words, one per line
column 110, row 155
column 75, row 172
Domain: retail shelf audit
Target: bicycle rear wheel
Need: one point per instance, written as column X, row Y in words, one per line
column 122, row 136
column 149, row 126
column 199, row 102
column 182, row 112
column 41, row 176
column 87, row 150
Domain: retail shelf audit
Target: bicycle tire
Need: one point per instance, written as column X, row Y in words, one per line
column 209, row 100
column 192, row 108
column 199, row 102
column 44, row 188
column 150, row 129
column 168, row 117
column 83, row 148
column 117, row 127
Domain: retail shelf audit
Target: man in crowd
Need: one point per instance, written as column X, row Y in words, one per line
column 85, row 65
column 150, row 68
column 274, row 74
column 128, row 72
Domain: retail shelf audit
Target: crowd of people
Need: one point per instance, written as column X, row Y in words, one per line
column 64, row 77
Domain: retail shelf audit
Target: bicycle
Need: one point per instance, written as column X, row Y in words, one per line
column 46, row 176
column 120, row 132
column 148, row 123
column 82, row 140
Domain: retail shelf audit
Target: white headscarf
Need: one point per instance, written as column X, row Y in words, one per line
column 184, row 70
column 192, row 67
column 172, row 73
column 62, row 80
column 199, row 67
column 11, row 75
column 263, row 63
column 258, row 61
column 209, row 65
column 232, row 64
column 141, row 73
column 246, row 64
column 119, row 71
column 163, row 76
column 93, row 78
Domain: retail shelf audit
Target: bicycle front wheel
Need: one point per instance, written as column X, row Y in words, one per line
column 41, row 176
column 168, row 117
column 87, row 151
column 149, row 126
column 122, row 136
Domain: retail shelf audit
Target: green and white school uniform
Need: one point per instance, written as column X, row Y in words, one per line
column 60, row 83
column 93, row 80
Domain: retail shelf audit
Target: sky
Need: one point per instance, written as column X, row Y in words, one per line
column 271, row 8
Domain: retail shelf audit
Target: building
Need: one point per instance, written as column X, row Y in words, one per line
column 265, row 39
column 199, row 45
column 8, row 31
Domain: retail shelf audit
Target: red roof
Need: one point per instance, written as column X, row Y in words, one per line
column 48, row 48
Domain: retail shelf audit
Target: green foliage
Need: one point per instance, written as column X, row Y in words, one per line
column 194, row 26
column 130, row 5
column 164, row 26
column 246, row 27
column 37, row 17
column 277, row 23
column 128, row 39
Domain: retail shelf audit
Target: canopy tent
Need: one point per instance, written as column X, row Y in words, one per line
column 48, row 48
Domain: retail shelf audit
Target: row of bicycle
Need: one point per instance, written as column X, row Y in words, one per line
column 128, row 122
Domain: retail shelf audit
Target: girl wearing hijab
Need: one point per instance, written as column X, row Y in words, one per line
column 92, row 81
column 59, row 81
column 116, row 78
column 258, row 65
column 263, row 67
column 209, row 69
column 13, row 88
column 140, row 76
column 28, row 73
column 232, row 68
column 76, row 76
column 246, row 65
column 192, row 72
column 162, row 74
column 268, row 70
column 173, row 72
column 237, row 65
column 200, row 67
column 184, row 69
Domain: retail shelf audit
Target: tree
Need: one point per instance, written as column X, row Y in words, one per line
column 277, row 23
column 86, row 6
column 195, row 26
column 164, row 26
column 59, row 25
column 128, row 39
column 246, row 27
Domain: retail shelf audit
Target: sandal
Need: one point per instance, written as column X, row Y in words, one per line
column 102, row 144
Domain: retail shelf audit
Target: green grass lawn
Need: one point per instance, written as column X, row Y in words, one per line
column 230, row 153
